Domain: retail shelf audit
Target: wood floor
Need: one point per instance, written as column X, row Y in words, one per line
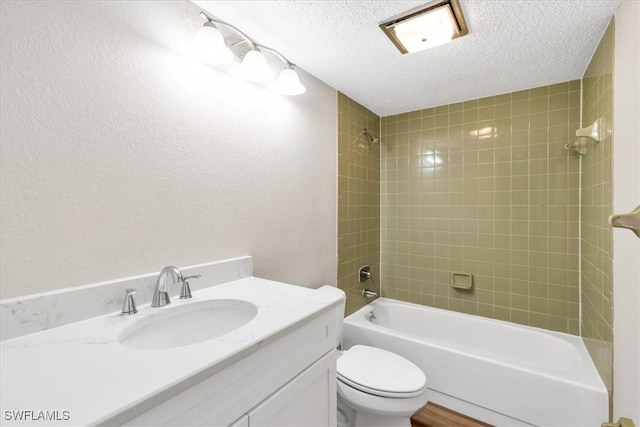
column 432, row 415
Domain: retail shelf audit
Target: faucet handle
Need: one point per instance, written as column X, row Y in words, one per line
column 364, row 273
column 185, row 291
column 129, row 304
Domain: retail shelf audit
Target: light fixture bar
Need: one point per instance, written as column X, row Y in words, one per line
column 278, row 54
column 254, row 66
column 226, row 24
column 249, row 40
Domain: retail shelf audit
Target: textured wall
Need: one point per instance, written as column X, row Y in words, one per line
column 485, row 187
column 597, row 186
column 626, row 195
column 120, row 155
column 358, row 201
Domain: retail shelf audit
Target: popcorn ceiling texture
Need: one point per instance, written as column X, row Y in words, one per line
column 511, row 45
column 120, row 155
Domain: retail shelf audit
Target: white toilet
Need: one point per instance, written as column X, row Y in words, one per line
column 377, row 388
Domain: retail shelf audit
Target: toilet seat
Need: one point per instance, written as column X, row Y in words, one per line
column 385, row 406
column 380, row 373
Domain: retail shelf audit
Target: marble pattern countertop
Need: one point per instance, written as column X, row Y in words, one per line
column 35, row 313
column 81, row 368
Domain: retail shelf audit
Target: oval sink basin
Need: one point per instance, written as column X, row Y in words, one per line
column 188, row 324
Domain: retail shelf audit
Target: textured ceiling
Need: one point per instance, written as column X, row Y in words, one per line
column 511, row 45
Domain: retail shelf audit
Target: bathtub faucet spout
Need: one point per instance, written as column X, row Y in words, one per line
column 367, row 293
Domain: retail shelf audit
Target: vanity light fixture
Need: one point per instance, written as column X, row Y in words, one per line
column 289, row 83
column 218, row 42
column 427, row 26
column 255, row 67
column 209, row 45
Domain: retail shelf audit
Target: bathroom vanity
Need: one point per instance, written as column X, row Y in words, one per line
column 276, row 368
column 290, row 381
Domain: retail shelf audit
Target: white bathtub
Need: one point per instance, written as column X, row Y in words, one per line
column 501, row 373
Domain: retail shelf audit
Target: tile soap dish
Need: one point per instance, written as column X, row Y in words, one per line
column 462, row 281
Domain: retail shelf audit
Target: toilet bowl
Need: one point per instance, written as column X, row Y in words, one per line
column 377, row 388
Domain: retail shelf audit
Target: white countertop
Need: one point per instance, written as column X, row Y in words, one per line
column 82, row 369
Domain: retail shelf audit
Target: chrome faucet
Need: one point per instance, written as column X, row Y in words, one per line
column 161, row 292
column 129, row 304
column 364, row 273
column 367, row 293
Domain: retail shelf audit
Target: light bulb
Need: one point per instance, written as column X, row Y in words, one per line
column 289, row 83
column 209, row 46
column 255, row 68
column 428, row 30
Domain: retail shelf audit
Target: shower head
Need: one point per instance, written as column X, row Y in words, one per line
column 373, row 138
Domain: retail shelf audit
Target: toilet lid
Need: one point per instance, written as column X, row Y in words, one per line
column 380, row 372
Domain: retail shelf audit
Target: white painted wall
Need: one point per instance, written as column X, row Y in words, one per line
column 119, row 155
column 626, row 196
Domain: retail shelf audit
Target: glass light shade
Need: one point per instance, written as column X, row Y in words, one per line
column 209, row 46
column 289, row 83
column 427, row 30
column 255, row 67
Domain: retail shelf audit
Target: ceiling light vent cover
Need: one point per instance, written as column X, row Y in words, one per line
column 427, row 26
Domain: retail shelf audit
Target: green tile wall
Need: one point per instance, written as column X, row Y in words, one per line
column 358, row 201
column 485, row 187
column 597, row 186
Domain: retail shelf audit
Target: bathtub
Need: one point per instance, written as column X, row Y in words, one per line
column 498, row 372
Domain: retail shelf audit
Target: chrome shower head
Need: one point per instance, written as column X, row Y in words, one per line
column 373, row 138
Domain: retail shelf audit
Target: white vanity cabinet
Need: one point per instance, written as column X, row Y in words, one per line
column 242, row 422
column 307, row 400
column 276, row 369
column 290, row 381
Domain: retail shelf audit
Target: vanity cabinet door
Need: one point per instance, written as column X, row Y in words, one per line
column 243, row 421
column 308, row 400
